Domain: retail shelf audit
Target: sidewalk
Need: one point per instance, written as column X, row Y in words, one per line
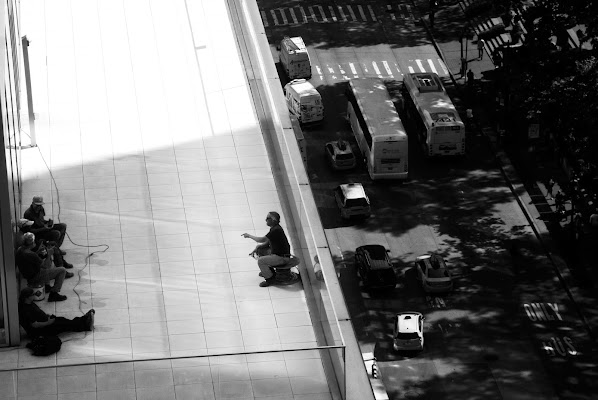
column 527, row 172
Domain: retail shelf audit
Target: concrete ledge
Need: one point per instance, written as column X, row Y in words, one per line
column 303, row 222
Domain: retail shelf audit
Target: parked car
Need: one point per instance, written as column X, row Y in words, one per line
column 408, row 331
column 374, row 267
column 433, row 273
column 352, row 200
column 339, row 154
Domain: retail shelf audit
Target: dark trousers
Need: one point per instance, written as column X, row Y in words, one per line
column 77, row 324
column 55, row 234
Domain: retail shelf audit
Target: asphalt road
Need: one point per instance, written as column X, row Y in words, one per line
column 508, row 330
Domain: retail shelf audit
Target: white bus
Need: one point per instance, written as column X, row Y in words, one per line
column 439, row 127
column 378, row 129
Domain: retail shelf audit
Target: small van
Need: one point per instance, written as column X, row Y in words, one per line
column 352, row 200
column 304, row 101
column 294, row 58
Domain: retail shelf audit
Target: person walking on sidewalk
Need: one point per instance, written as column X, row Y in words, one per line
column 470, row 79
column 481, row 44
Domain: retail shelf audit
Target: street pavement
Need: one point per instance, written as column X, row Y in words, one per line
column 509, row 313
column 573, row 257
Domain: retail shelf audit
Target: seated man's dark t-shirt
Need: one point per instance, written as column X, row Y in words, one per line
column 29, row 263
column 278, row 241
column 30, row 313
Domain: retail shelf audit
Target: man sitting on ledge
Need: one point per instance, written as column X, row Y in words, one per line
column 38, row 323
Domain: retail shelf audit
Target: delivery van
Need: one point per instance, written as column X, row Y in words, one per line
column 294, row 58
column 304, row 101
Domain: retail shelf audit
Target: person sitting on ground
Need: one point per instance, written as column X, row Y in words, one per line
column 276, row 241
column 24, row 227
column 40, row 271
column 42, row 228
column 37, row 323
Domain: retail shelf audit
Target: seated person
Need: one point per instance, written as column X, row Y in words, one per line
column 43, row 229
column 38, row 270
column 24, row 227
column 38, row 323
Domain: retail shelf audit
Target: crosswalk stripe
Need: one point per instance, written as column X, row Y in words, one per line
column 273, row 14
column 387, row 68
column 264, row 18
column 285, row 21
column 293, row 16
column 376, row 69
column 330, row 69
column 353, row 70
column 340, row 68
column 420, row 65
column 332, row 13
column 398, row 69
column 340, row 11
column 303, row 15
column 360, row 8
column 372, row 13
column 389, row 9
column 411, row 70
column 313, row 15
column 322, row 14
column 432, row 67
column 443, row 66
column 352, row 13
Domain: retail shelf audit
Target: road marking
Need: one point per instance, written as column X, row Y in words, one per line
column 322, row 14
column 332, row 13
column 360, row 8
column 313, row 15
column 320, row 72
column 353, row 70
column 443, row 66
column 273, row 14
column 342, row 71
column 372, row 13
column 420, row 65
column 376, row 69
column 352, row 13
column 387, row 67
column 285, row 21
column 295, row 20
column 411, row 70
column 340, row 11
column 389, row 9
column 330, row 70
column 432, row 67
column 303, row 15
column 365, row 68
column 398, row 69
column 264, row 18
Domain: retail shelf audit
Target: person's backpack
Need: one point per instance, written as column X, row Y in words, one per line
column 45, row 345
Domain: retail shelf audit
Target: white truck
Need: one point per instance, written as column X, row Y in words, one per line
column 294, row 58
column 304, row 101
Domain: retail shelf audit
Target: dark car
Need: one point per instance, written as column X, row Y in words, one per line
column 374, row 267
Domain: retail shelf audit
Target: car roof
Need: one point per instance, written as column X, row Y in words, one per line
column 338, row 150
column 374, row 250
column 429, row 260
column 408, row 321
column 353, row 190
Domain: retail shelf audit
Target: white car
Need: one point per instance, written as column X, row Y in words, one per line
column 433, row 273
column 340, row 155
column 408, row 331
column 352, row 200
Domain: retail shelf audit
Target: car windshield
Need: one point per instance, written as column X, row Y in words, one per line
column 357, row 202
column 407, row 335
column 344, row 156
